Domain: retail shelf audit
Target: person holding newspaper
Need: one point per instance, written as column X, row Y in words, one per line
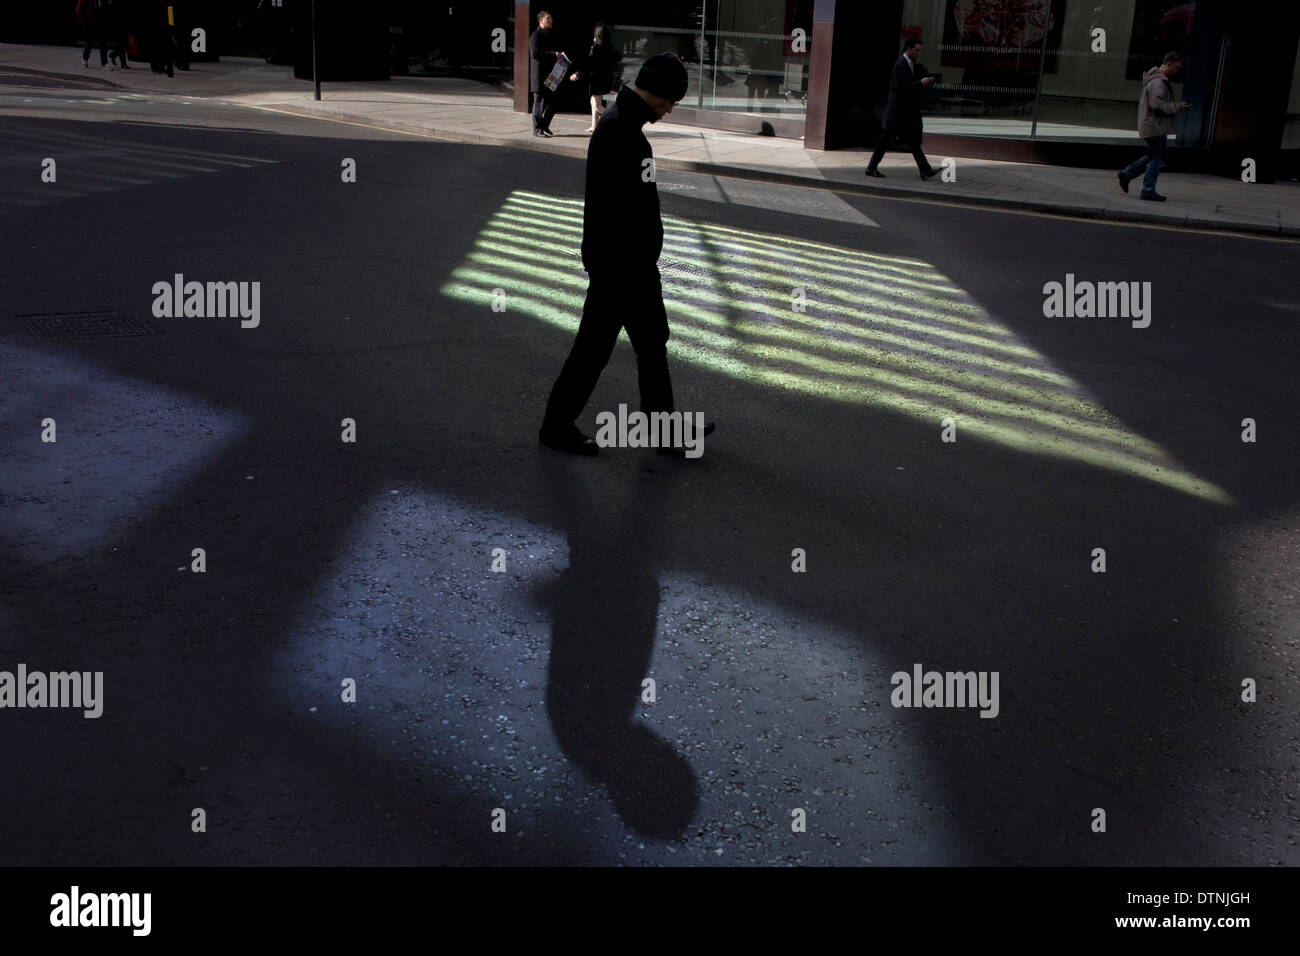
column 545, row 59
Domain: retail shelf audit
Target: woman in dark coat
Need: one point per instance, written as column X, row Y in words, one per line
column 598, row 69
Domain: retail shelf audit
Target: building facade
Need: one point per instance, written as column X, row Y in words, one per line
column 1054, row 80
column 1042, row 80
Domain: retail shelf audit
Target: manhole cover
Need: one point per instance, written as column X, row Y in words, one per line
column 87, row 325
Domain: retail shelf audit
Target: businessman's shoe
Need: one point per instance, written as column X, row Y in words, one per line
column 1123, row 180
column 572, row 441
column 875, row 173
column 546, row 131
column 1152, row 197
column 539, row 132
column 930, row 173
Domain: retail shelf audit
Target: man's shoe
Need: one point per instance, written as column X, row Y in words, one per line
column 538, row 132
column 1152, row 197
column 1123, row 180
column 930, row 173
column 572, row 441
column 547, row 132
column 875, row 173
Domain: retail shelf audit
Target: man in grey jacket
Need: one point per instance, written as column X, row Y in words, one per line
column 1156, row 112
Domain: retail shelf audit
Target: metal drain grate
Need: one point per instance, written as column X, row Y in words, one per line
column 671, row 268
column 87, row 325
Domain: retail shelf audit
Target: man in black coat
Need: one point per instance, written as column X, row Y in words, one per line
column 158, row 41
column 542, row 53
column 903, row 110
column 622, row 236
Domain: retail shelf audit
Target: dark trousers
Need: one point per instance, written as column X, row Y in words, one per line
column 543, row 108
column 615, row 302
column 160, row 47
column 911, row 138
column 96, row 32
column 1153, row 162
column 121, row 37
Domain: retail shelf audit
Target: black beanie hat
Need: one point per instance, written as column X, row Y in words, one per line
column 663, row 75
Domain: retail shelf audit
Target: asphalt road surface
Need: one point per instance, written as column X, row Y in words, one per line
column 836, row 339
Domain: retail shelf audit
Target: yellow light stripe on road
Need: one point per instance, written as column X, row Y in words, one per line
column 720, row 315
column 855, row 332
column 963, row 388
column 560, row 310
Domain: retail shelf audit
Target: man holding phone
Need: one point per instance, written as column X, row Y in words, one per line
column 903, row 110
column 1156, row 112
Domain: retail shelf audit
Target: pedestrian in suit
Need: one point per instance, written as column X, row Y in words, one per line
column 159, row 41
column 622, row 236
column 1156, row 111
column 542, row 52
column 903, row 110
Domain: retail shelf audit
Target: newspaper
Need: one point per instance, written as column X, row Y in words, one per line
column 561, row 69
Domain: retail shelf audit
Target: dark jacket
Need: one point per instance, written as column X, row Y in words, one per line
column 541, row 53
column 903, row 111
column 621, row 230
column 597, row 68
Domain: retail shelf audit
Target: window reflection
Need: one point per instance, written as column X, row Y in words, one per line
column 745, row 56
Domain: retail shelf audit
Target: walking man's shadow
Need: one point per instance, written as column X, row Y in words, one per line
column 605, row 609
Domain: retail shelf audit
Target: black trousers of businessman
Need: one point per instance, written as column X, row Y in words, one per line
column 543, row 108
column 909, row 137
column 615, row 302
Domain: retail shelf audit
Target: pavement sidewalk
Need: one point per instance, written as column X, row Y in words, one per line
column 470, row 111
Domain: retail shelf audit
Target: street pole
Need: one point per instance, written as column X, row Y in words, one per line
column 314, row 75
column 1042, row 62
column 703, row 20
